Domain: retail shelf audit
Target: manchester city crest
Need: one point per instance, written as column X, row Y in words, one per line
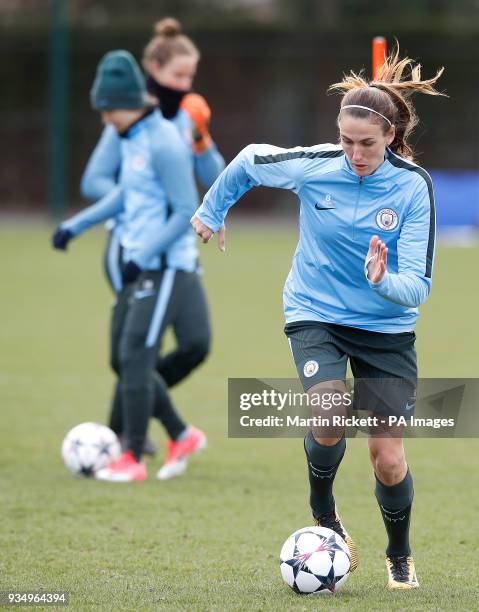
column 387, row 219
column 310, row 368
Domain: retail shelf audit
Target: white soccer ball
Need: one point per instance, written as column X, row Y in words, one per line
column 315, row 560
column 89, row 447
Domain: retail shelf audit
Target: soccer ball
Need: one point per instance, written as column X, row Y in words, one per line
column 89, row 447
column 315, row 560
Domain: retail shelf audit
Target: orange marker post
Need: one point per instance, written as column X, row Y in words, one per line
column 380, row 49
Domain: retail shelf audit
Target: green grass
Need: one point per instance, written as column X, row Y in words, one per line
column 210, row 540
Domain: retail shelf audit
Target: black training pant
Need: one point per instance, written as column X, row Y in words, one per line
column 141, row 315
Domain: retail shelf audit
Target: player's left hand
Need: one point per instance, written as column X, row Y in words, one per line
column 130, row 272
column 200, row 114
column 378, row 255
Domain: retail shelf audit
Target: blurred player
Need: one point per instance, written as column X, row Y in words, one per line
column 171, row 61
column 362, row 267
column 155, row 194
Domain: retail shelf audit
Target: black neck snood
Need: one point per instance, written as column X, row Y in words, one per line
column 169, row 99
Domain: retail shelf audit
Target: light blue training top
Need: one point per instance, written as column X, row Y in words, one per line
column 155, row 193
column 339, row 213
column 103, row 168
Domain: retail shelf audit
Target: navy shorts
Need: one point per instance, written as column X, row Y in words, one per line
column 383, row 365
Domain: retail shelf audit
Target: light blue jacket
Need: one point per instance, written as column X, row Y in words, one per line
column 103, row 168
column 339, row 212
column 155, row 193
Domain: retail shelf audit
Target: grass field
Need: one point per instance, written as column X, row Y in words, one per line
column 210, row 540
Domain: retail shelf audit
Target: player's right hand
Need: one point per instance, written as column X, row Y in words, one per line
column 205, row 233
column 61, row 238
column 377, row 259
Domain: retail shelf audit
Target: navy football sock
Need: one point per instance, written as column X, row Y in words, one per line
column 395, row 503
column 323, row 463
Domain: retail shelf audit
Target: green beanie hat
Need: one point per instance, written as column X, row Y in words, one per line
column 119, row 83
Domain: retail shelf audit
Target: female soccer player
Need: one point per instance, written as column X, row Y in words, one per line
column 156, row 195
column 170, row 59
column 362, row 267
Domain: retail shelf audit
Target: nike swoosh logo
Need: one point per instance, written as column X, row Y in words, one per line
column 410, row 406
column 318, row 207
column 143, row 294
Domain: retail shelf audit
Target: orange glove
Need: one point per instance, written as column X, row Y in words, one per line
column 200, row 114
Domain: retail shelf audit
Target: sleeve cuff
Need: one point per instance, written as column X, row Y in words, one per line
column 71, row 227
column 373, row 285
column 382, row 283
column 203, row 217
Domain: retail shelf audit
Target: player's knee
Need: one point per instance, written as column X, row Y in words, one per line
column 134, row 378
column 134, row 367
column 387, row 464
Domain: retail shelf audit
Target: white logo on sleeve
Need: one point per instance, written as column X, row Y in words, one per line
column 387, row 219
column 310, row 368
